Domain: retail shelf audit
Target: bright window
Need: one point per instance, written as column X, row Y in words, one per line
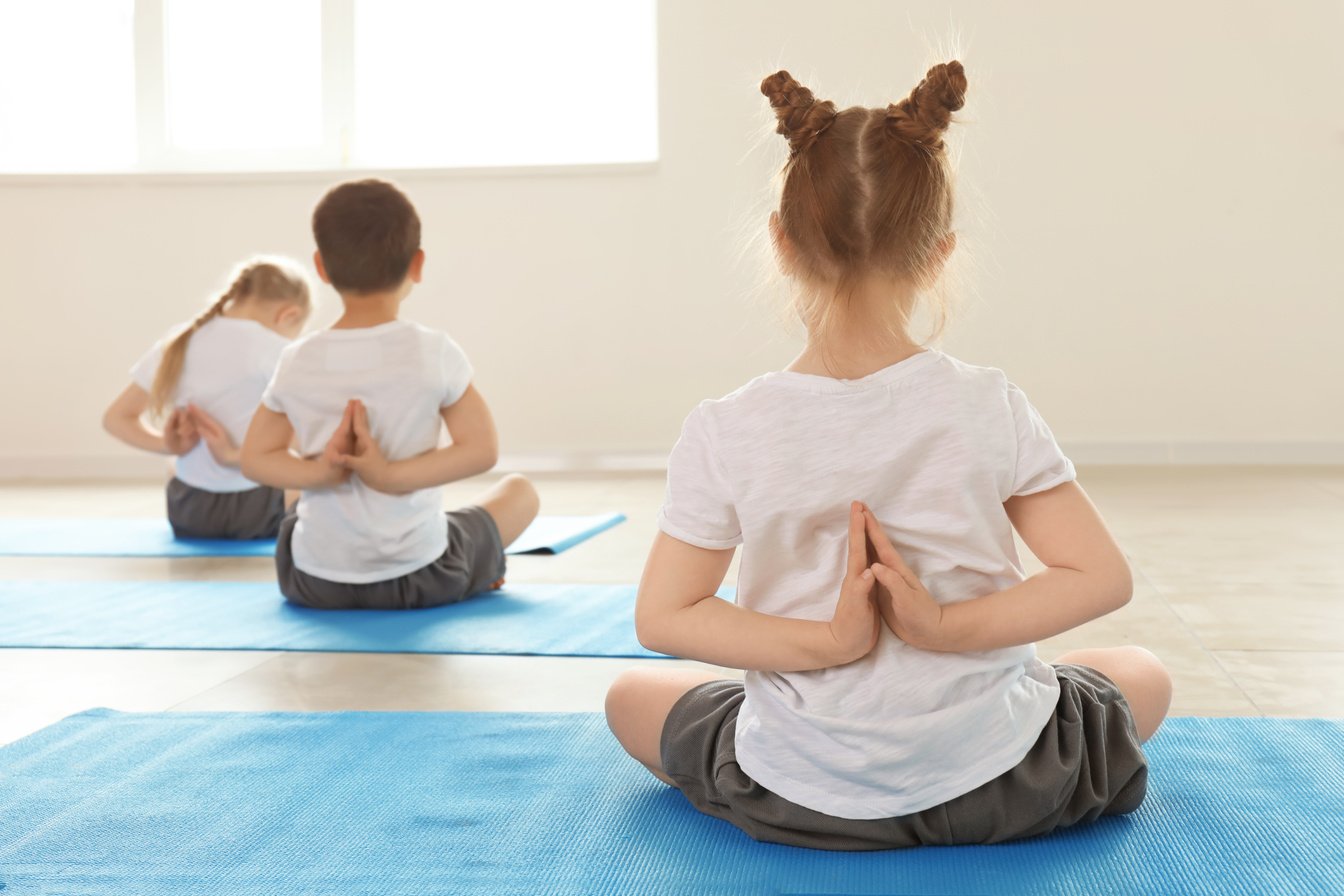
column 282, row 85
column 242, row 76
column 510, row 82
column 67, row 85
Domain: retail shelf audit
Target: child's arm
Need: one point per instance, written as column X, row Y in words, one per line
column 475, row 449
column 1086, row 576
column 266, row 458
column 676, row 613
column 123, row 419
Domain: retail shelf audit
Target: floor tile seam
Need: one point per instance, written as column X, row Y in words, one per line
column 1199, row 641
column 269, row 657
column 1228, row 672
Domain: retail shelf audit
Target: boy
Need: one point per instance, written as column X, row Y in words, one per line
column 362, row 402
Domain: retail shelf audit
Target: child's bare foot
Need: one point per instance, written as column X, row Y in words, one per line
column 496, row 585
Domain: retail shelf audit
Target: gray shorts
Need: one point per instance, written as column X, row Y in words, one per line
column 196, row 513
column 1086, row 763
column 473, row 561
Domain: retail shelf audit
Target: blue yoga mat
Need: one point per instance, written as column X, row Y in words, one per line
column 151, row 537
column 464, row 803
column 547, row 620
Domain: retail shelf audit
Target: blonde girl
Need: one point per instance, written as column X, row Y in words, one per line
column 204, row 383
column 892, row 694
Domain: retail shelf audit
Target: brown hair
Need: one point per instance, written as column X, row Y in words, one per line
column 367, row 233
column 274, row 280
column 866, row 191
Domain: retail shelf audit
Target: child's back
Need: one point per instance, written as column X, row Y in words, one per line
column 204, row 382
column 404, row 374
column 227, row 365
column 365, row 401
column 892, row 695
column 935, row 447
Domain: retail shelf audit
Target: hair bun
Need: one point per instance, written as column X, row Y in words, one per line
column 801, row 118
column 923, row 116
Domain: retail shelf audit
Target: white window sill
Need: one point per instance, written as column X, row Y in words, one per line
column 152, row 178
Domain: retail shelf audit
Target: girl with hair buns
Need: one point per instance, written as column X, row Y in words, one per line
column 893, row 695
column 204, row 383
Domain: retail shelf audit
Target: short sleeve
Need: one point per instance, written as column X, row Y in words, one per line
column 1040, row 463
column 266, row 355
column 272, row 398
column 698, row 507
column 144, row 370
column 456, row 370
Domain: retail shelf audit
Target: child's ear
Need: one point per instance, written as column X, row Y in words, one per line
column 321, row 269
column 941, row 253
column 945, row 247
column 417, row 268
column 290, row 316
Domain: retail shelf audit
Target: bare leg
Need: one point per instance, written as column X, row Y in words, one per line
column 512, row 503
column 638, row 702
column 1138, row 674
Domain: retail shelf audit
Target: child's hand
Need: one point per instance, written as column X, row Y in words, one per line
column 906, row 606
column 366, row 458
column 179, row 432
column 216, row 438
column 341, row 443
column 855, row 623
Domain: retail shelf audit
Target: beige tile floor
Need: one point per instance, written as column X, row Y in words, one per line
column 1239, row 587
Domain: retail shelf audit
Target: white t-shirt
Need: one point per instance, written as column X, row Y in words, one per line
column 229, row 361
column 405, row 374
column 934, row 447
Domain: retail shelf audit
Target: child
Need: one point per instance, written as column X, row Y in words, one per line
column 206, row 380
column 912, row 709
column 365, row 402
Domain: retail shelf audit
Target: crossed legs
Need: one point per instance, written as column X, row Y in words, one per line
column 640, row 699
column 512, row 503
column 1138, row 674
column 637, row 706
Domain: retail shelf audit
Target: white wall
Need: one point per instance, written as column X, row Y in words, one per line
column 1152, row 200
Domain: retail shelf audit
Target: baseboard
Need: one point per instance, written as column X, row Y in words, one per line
column 1118, row 453
column 133, row 467
column 116, row 468
column 633, row 462
column 136, row 468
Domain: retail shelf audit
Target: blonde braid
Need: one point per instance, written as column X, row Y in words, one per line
column 175, row 353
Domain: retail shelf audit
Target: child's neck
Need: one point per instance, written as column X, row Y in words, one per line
column 862, row 337
column 849, row 360
column 369, row 309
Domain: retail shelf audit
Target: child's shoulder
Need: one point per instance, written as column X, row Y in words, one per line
column 402, row 330
column 420, row 329
column 743, row 396
column 393, row 331
column 974, row 374
column 237, row 340
column 937, row 373
column 436, row 342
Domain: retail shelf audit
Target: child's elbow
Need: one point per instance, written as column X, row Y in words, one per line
column 1120, row 584
column 248, row 464
column 651, row 643
column 649, row 633
column 486, row 454
column 110, row 420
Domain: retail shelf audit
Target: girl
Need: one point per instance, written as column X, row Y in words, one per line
column 911, row 709
column 205, row 382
